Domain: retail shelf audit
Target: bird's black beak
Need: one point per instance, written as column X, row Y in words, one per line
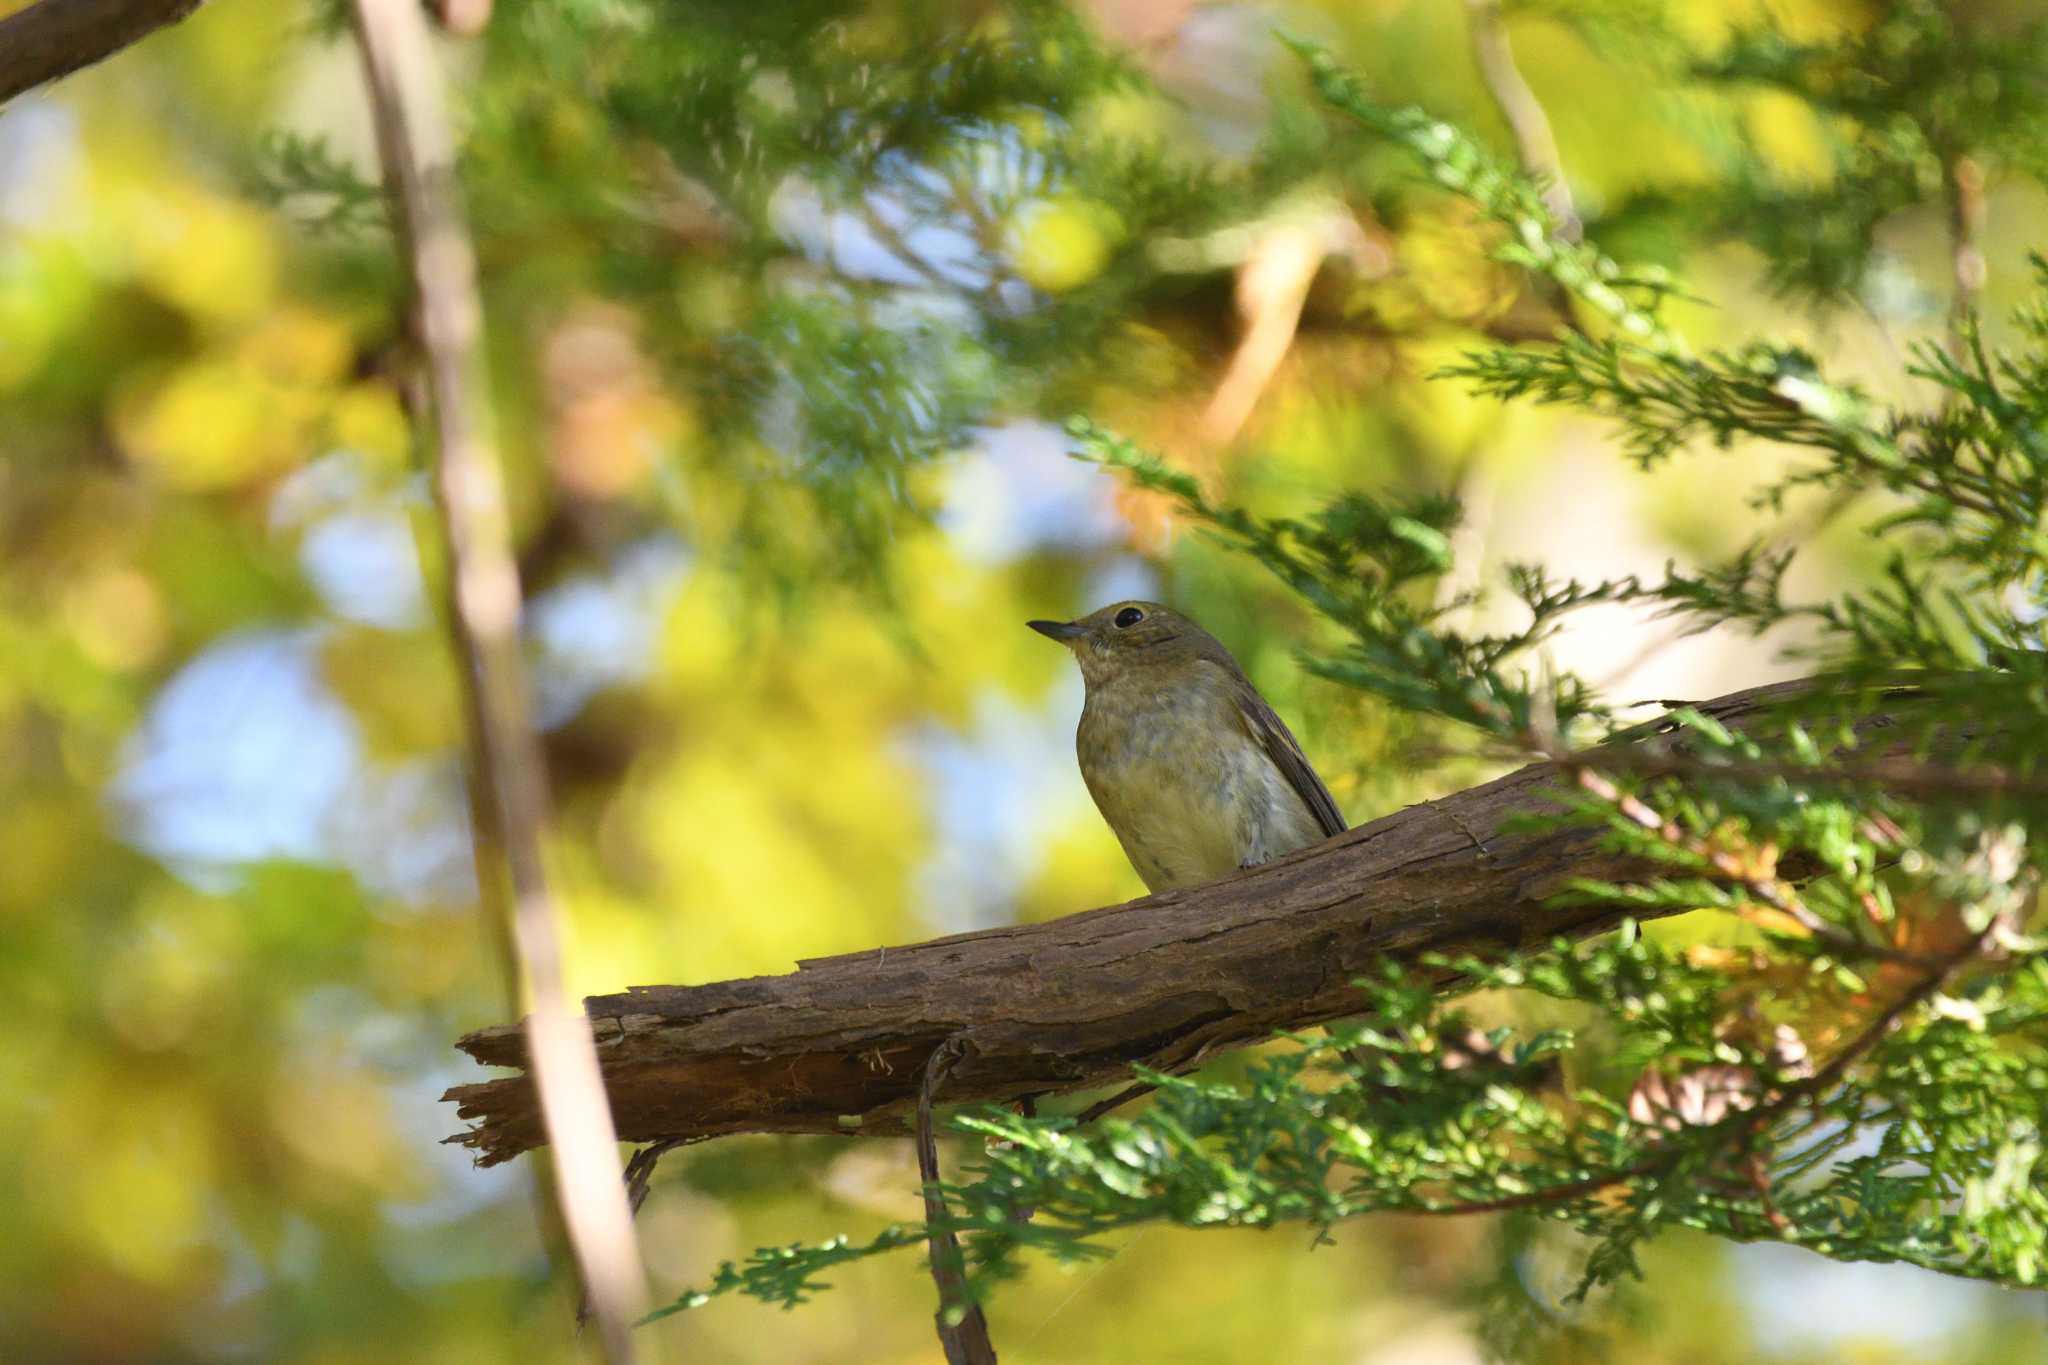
column 1063, row 631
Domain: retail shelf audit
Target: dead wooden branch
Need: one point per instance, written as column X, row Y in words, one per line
column 839, row 1045
column 57, row 37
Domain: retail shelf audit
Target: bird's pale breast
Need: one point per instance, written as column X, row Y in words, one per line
column 1190, row 795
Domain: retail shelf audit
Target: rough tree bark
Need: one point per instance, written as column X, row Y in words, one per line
column 839, row 1045
column 57, row 37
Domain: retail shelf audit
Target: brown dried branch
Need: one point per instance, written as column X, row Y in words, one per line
column 1933, row 977
column 508, row 785
column 1535, row 144
column 57, row 37
column 962, row 1327
column 1071, row 1004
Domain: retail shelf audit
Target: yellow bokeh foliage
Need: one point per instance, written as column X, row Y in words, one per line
column 1061, row 244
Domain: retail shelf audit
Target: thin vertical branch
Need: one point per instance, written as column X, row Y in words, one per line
column 1272, row 287
column 963, row 1328
column 508, row 790
column 1534, row 142
column 1963, row 179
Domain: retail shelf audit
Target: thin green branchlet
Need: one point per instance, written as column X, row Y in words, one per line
column 323, row 193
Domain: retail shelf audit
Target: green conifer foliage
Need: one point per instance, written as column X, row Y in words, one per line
column 1863, row 1076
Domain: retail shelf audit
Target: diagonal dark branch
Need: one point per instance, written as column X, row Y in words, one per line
column 1070, row 1005
column 1116, row 1101
column 1963, row 184
column 57, row 37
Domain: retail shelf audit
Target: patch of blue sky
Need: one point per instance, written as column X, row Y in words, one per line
column 594, row 631
column 403, row 831
column 333, row 482
column 38, row 142
column 1000, row 788
column 365, row 565
column 998, row 791
column 240, row 758
column 1017, row 492
column 356, row 541
column 1124, row 578
column 247, row 756
column 1801, row 1302
column 880, row 240
column 456, row 1187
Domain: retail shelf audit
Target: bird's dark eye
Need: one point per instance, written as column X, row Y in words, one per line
column 1129, row 616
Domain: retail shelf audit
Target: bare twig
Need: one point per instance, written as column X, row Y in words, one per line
column 1963, row 179
column 1116, row 1101
column 640, row 1170
column 1934, row 976
column 963, row 1329
column 900, row 250
column 1535, row 144
column 1771, row 890
column 1072, row 1004
column 639, row 1180
column 508, row 786
column 57, row 37
column 1904, row 777
column 1549, row 1194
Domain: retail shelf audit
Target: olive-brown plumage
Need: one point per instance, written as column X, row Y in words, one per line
column 1195, row 774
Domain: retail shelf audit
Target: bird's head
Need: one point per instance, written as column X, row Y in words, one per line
column 1126, row 636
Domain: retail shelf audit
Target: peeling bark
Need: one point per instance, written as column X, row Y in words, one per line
column 839, row 1045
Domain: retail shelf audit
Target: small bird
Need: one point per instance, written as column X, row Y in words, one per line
column 1194, row 773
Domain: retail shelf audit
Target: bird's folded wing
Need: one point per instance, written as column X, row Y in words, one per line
column 1272, row 735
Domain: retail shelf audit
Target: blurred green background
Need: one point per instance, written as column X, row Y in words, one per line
column 785, row 305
